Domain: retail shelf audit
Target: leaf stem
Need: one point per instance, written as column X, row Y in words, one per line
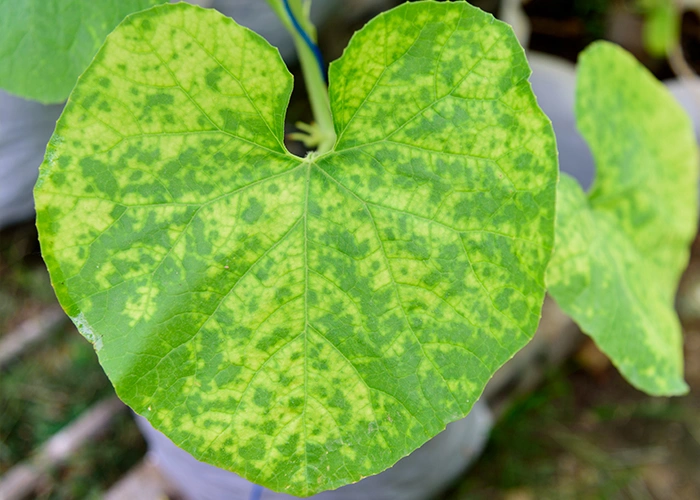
column 295, row 18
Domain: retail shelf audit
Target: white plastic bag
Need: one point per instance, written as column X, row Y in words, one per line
column 422, row 474
column 25, row 129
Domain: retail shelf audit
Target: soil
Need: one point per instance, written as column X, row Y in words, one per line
column 591, row 435
column 53, row 383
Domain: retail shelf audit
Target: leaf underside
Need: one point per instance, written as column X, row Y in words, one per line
column 620, row 251
column 302, row 322
column 46, row 44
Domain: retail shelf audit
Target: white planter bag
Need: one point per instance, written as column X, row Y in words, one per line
column 419, row 476
column 25, row 129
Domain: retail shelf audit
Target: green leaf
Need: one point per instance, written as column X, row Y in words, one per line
column 619, row 254
column 662, row 23
column 46, row 44
column 302, row 322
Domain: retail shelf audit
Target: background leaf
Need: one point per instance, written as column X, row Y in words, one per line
column 46, row 44
column 302, row 322
column 619, row 254
column 662, row 26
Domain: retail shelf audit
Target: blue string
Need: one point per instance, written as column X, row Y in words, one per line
column 256, row 492
column 307, row 39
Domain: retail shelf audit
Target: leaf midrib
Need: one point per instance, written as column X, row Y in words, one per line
column 307, row 182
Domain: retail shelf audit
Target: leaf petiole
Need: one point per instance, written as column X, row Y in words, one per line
column 295, row 18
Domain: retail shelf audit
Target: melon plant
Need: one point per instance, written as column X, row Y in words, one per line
column 622, row 247
column 308, row 321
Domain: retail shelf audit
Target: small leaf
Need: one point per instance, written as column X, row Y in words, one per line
column 302, row 322
column 662, row 23
column 46, row 44
column 619, row 254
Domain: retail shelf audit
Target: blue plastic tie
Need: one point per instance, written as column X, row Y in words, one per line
column 256, row 492
column 307, row 39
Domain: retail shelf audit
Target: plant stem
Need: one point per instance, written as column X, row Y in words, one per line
column 296, row 19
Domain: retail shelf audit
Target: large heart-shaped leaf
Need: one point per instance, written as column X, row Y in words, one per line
column 46, row 44
column 619, row 253
column 302, row 322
